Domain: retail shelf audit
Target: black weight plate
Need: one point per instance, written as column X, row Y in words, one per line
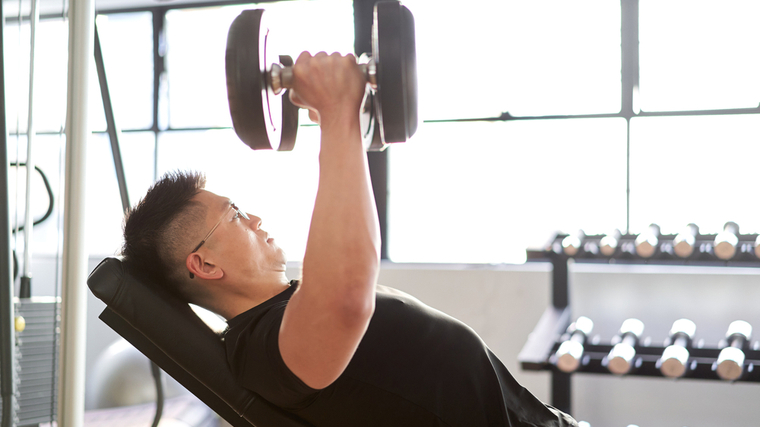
column 393, row 47
column 289, row 115
column 256, row 112
column 409, row 46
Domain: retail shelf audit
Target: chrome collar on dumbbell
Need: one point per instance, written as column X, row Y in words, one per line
column 281, row 77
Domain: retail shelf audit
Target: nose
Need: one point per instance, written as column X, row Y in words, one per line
column 255, row 222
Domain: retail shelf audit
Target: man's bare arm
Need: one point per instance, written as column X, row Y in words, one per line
column 328, row 315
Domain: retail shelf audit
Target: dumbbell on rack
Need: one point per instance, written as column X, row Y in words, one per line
column 609, row 243
column 685, row 241
column 570, row 352
column 730, row 365
column 675, row 357
column 264, row 119
column 620, row 358
column 726, row 241
column 572, row 243
column 646, row 243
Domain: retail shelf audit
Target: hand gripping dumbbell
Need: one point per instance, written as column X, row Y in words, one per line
column 731, row 357
column 726, row 241
column 675, row 357
column 621, row 356
column 570, row 352
column 265, row 119
column 646, row 242
column 685, row 241
column 609, row 243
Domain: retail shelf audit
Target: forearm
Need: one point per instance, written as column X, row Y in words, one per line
column 330, row 311
column 342, row 252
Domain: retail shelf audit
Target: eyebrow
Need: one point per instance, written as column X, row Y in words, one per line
column 226, row 204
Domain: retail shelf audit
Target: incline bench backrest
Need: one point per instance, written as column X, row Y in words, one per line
column 168, row 331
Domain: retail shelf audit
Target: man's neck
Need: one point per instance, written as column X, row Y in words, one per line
column 234, row 304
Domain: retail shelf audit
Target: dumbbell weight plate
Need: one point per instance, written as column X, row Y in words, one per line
column 258, row 115
column 393, row 48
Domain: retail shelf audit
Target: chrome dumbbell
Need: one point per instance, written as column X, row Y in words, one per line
column 609, row 243
column 572, row 243
column 646, row 243
column 621, row 356
column 731, row 357
column 675, row 357
column 570, row 352
column 685, row 241
column 726, row 241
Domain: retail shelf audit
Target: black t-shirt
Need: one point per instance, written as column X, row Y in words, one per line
column 415, row 366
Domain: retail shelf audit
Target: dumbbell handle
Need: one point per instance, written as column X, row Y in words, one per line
column 630, row 339
column 681, row 340
column 281, row 76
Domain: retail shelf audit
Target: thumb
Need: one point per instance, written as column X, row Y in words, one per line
column 295, row 99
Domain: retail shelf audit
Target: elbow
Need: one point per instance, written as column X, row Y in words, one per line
column 357, row 303
column 356, row 311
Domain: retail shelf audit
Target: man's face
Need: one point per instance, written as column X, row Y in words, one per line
column 238, row 245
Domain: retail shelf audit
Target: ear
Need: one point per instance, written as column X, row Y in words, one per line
column 198, row 266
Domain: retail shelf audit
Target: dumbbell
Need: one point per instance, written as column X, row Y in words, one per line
column 609, row 243
column 570, row 351
column 683, row 244
column 621, row 356
column 646, row 242
column 731, row 357
column 676, row 356
column 263, row 117
column 572, row 243
column 726, row 241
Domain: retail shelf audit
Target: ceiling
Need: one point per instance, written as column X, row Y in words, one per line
column 52, row 7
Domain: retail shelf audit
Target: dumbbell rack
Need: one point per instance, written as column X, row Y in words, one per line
column 538, row 352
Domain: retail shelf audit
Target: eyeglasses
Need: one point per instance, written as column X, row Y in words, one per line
column 238, row 213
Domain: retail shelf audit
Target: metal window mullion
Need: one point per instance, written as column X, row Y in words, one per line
column 159, row 26
column 111, row 128
column 629, row 56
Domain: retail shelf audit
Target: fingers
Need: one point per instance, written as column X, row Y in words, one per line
column 322, row 82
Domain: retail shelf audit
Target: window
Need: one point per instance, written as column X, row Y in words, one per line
column 51, row 59
column 695, row 169
column 581, row 147
column 485, row 190
column 523, row 57
column 699, row 55
column 127, row 44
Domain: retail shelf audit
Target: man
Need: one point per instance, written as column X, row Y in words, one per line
column 333, row 348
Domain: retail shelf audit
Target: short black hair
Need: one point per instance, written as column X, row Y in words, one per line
column 157, row 231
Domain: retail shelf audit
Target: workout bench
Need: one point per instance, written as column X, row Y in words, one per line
column 167, row 331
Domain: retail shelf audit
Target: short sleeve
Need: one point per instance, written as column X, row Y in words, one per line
column 261, row 368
